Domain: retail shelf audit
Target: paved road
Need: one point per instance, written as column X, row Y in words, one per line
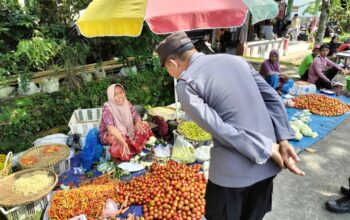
column 303, row 198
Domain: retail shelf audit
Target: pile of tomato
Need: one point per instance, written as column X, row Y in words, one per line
column 172, row 191
column 321, row 104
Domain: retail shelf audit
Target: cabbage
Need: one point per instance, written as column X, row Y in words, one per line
column 302, row 129
column 306, row 130
column 298, row 136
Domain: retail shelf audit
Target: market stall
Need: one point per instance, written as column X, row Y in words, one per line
column 164, row 181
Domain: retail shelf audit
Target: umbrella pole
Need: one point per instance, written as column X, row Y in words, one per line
column 176, row 101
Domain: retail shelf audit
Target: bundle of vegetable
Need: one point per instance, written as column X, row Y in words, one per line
column 300, row 129
column 192, row 131
column 88, row 199
column 321, row 104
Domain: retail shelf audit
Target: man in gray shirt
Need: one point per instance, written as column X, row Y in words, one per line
column 247, row 120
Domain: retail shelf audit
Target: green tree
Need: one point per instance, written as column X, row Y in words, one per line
column 323, row 21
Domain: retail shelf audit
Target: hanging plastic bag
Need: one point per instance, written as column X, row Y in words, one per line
column 183, row 151
column 111, row 209
column 92, row 151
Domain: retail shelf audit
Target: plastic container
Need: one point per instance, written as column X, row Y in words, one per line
column 24, row 212
column 61, row 167
column 83, row 120
column 348, row 83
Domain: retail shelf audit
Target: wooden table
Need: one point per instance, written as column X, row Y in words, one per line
column 341, row 55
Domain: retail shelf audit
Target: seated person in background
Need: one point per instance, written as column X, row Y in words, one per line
column 121, row 126
column 270, row 70
column 307, row 61
column 333, row 46
column 267, row 31
column 344, row 46
column 322, row 70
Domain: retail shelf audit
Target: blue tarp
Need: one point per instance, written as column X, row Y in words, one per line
column 320, row 124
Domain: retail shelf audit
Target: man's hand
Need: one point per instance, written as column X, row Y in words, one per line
column 290, row 158
column 276, row 155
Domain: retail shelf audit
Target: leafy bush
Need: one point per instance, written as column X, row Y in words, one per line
column 37, row 52
column 24, row 119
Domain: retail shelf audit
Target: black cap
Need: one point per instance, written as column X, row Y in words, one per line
column 170, row 44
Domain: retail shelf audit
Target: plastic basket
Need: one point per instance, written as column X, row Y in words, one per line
column 25, row 211
column 83, row 120
column 61, row 167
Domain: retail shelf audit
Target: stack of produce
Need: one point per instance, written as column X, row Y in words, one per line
column 88, row 199
column 193, row 132
column 32, row 183
column 300, row 126
column 173, row 191
column 321, row 104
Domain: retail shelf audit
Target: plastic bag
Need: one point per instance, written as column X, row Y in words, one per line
column 73, row 141
column 50, row 85
column 183, row 151
column 162, row 151
column 52, row 139
column 203, row 153
column 287, row 86
column 29, row 89
column 92, row 151
column 79, row 217
column 110, row 209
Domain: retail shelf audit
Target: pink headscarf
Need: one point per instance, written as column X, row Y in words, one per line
column 268, row 67
column 121, row 113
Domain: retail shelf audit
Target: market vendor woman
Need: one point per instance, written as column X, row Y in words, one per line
column 271, row 71
column 121, row 126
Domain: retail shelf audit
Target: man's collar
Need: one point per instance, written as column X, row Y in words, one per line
column 193, row 58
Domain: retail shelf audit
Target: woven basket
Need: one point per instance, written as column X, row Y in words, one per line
column 45, row 161
column 8, row 198
column 6, row 162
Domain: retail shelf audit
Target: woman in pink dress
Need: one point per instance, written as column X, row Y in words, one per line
column 121, row 126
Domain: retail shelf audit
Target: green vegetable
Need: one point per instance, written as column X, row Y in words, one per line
column 89, row 174
column 193, row 132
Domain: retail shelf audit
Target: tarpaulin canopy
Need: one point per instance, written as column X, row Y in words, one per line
column 126, row 17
